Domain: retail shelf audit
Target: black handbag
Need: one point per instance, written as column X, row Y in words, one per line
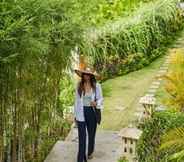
column 98, row 115
column 97, row 112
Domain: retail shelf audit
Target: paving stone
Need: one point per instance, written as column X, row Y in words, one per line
column 164, row 68
column 154, row 86
column 168, row 60
column 156, row 83
column 159, row 75
column 120, row 108
column 108, row 149
column 160, row 79
column 162, row 71
column 168, row 57
column 166, row 63
column 152, row 91
column 150, row 94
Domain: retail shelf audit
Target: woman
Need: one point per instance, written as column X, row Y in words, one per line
column 88, row 97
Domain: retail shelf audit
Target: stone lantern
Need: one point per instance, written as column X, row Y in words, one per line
column 149, row 104
column 129, row 137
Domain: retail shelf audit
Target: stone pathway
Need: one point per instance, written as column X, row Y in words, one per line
column 155, row 85
column 158, row 78
column 108, row 148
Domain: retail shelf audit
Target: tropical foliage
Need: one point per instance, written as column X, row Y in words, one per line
column 99, row 12
column 173, row 143
column 105, row 10
column 133, row 42
column 164, row 141
column 175, row 82
column 153, row 130
column 172, row 140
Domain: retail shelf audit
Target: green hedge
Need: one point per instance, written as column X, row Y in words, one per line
column 153, row 129
column 133, row 42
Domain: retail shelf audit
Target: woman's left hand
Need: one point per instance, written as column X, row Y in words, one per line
column 93, row 103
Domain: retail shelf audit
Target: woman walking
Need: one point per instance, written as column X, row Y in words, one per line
column 88, row 98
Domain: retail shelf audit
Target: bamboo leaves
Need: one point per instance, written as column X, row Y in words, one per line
column 36, row 39
column 173, row 142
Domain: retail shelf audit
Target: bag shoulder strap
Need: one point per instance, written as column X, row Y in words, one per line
column 95, row 93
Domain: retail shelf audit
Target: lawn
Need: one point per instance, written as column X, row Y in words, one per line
column 121, row 95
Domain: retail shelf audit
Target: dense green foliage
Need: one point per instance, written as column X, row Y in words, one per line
column 102, row 11
column 172, row 142
column 174, row 82
column 131, row 43
column 153, row 129
column 36, row 39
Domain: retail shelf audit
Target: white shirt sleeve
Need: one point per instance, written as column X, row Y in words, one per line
column 99, row 96
column 76, row 103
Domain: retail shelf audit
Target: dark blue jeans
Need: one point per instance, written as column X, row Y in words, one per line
column 90, row 124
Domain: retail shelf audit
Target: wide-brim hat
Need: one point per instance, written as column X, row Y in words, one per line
column 87, row 70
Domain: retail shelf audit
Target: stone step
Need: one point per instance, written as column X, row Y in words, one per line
column 156, row 83
column 164, row 68
column 162, row 71
column 154, row 86
column 160, row 79
column 62, row 152
column 151, row 91
column 108, row 148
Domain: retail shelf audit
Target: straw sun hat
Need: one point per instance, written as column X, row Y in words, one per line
column 87, row 70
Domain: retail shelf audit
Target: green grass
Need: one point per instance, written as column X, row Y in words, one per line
column 123, row 93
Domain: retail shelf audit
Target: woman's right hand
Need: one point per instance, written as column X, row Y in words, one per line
column 93, row 104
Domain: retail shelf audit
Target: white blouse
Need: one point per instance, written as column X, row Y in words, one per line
column 78, row 106
column 87, row 98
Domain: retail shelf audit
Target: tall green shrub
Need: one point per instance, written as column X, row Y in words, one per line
column 153, row 130
column 132, row 42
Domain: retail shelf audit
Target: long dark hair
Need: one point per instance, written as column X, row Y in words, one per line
column 81, row 88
